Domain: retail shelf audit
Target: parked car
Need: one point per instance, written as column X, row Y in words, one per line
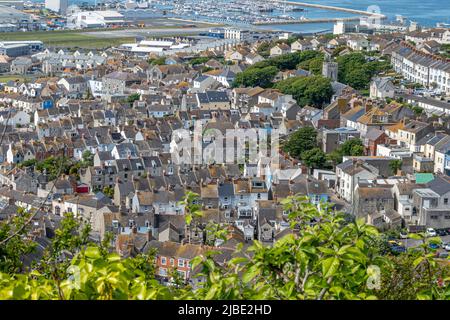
column 431, row 232
column 404, row 235
column 394, row 243
column 433, row 245
column 442, row 254
column 446, row 246
column 398, row 249
column 441, row 233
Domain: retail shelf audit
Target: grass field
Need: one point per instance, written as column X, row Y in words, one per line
column 8, row 77
column 83, row 39
column 67, row 39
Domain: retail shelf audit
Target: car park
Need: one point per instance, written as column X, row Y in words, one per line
column 431, row 232
column 442, row 254
column 404, row 235
column 433, row 245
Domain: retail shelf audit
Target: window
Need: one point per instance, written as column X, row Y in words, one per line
column 163, row 261
column 181, row 262
column 163, row 272
column 433, row 217
column 259, row 195
column 172, row 262
column 445, row 200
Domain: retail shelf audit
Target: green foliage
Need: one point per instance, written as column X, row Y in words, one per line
column 158, row 61
column 314, row 158
column 12, row 253
column 253, row 77
column 326, row 257
column 304, row 139
column 51, row 166
column 199, row 60
column 352, row 147
column 263, row 73
column 108, row 191
column 395, row 165
column 264, row 49
column 133, row 97
column 357, row 72
column 314, row 90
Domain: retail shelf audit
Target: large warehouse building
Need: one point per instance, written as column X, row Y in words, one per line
column 12, row 19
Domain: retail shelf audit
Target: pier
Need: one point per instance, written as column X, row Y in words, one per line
column 301, row 21
column 320, row 6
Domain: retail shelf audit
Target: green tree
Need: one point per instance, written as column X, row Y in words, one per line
column 314, row 158
column 314, row 90
column 253, row 77
column 352, row 147
column 326, row 257
column 108, row 191
column 13, row 251
column 395, row 165
column 198, row 60
column 302, row 140
column 133, row 97
column 158, row 61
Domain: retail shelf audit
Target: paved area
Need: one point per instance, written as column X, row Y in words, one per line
column 146, row 32
column 410, row 243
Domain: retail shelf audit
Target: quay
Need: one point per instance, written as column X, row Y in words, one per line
column 301, row 21
column 325, row 7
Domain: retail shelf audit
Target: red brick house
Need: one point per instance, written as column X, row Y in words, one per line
column 373, row 138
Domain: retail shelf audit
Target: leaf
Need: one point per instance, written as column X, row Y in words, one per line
column 93, row 252
column 211, row 292
column 250, row 274
column 417, row 261
column 188, row 218
column 196, row 261
column 330, row 266
column 415, row 236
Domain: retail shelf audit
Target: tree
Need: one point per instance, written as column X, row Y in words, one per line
column 314, row 158
column 325, row 257
column 158, row 61
column 88, row 158
column 133, row 97
column 357, row 72
column 108, row 191
column 199, row 60
column 353, row 147
column 302, row 140
column 314, row 90
column 395, row 165
column 253, row 77
column 13, row 251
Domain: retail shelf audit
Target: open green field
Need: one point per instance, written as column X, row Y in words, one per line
column 8, row 77
column 67, row 39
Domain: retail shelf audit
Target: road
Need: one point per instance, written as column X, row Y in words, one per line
column 146, row 32
column 410, row 243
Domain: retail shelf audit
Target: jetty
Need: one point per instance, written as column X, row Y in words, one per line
column 305, row 20
column 325, row 7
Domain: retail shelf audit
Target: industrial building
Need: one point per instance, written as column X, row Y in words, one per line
column 20, row 48
column 12, row 19
column 96, row 19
